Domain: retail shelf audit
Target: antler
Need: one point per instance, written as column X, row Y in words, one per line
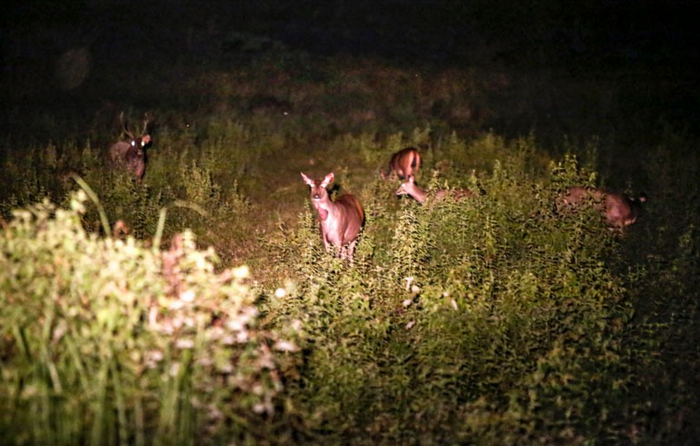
column 145, row 124
column 126, row 130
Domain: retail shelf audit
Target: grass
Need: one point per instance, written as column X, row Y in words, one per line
column 492, row 320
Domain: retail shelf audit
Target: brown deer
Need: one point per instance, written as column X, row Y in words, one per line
column 619, row 210
column 130, row 155
column 340, row 221
column 409, row 187
column 403, row 163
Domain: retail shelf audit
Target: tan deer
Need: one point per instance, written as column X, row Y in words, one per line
column 131, row 155
column 340, row 220
column 620, row 211
column 409, row 187
column 403, row 163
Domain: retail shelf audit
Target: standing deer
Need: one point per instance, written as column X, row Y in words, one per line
column 620, row 211
column 409, row 187
column 131, row 155
column 403, row 163
column 340, row 221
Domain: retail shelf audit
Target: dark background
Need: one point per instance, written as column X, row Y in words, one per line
column 632, row 39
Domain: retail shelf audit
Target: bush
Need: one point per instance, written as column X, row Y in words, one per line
column 487, row 320
column 107, row 341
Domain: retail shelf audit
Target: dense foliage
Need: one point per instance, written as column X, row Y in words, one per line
column 108, row 341
column 494, row 319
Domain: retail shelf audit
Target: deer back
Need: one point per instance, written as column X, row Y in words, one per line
column 619, row 210
column 622, row 211
column 349, row 221
column 404, row 163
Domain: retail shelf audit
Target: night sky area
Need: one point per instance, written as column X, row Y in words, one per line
column 647, row 39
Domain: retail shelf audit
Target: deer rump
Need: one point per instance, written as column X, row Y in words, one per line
column 619, row 210
column 403, row 163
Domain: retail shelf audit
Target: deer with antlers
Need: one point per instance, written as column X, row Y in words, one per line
column 130, row 155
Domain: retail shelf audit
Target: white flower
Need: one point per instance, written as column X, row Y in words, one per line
column 410, row 325
column 184, row 343
column 154, row 355
column 286, row 346
column 176, row 305
column 187, row 296
column 280, row 293
column 235, row 324
column 241, row 272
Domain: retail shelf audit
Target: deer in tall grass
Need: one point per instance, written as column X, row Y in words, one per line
column 409, row 187
column 340, row 221
column 403, row 163
column 131, row 155
column 619, row 210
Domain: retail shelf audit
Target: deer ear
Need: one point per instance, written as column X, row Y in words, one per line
column 307, row 180
column 145, row 140
column 328, row 179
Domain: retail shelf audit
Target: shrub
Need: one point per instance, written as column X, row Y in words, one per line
column 107, row 341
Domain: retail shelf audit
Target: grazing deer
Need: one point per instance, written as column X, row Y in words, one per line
column 409, row 187
column 131, row 155
column 620, row 211
column 340, row 221
column 403, row 163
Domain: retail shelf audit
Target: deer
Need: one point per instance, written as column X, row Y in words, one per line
column 130, row 155
column 620, row 211
column 340, row 221
column 403, row 163
column 409, row 187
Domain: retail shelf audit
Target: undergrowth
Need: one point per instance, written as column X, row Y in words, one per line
column 108, row 341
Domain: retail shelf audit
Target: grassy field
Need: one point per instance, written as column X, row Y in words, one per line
column 198, row 306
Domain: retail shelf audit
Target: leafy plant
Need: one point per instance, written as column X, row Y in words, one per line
column 108, row 341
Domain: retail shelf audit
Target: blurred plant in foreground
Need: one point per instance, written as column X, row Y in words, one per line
column 108, row 341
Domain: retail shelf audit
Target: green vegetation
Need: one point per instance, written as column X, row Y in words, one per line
column 199, row 307
column 109, row 341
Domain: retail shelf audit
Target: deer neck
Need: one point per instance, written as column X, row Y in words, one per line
column 324, row 207
column 419, row 194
